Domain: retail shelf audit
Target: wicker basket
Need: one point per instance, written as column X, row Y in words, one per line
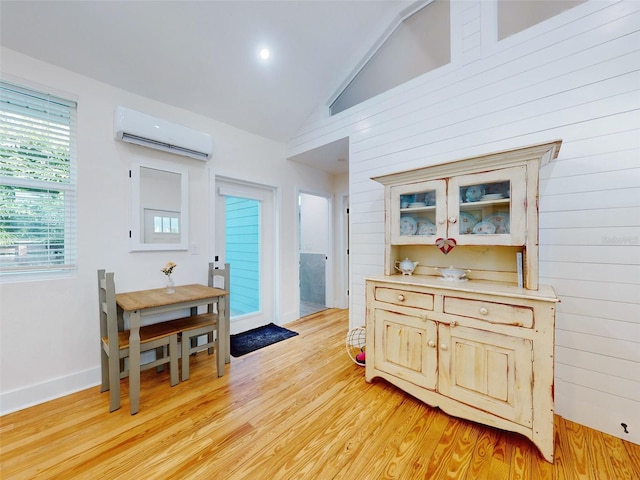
column 356, row 344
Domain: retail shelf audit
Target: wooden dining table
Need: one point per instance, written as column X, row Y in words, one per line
column 133, row 306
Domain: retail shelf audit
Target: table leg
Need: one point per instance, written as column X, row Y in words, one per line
column 223, row 335
column 225, row 332
column 134, row 361
column 227, row 343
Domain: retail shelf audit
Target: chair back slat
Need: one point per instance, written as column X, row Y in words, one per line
column 216, row 273
column 112, row 309
column 102, row 299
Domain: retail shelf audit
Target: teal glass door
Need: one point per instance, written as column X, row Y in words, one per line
column 242, row 249
column 245, row 229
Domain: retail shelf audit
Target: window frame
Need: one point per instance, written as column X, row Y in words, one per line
column 55, row 175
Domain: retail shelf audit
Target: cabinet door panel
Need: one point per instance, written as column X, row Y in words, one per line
column 488, row 208
column 490, row 371
column 417, row 213
column 405, row 347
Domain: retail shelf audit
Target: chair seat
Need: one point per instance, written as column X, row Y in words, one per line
column 148, row 333
column 194, row 322
column 191, row 328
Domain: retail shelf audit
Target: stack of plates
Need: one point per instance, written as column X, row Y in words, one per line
column 492, row 196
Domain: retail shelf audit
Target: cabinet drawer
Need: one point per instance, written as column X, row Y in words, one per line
column 404, row 298
column 498, row 313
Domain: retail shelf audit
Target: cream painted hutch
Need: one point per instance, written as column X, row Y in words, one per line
column 480, row 348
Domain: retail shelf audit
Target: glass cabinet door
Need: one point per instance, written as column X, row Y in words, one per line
column 418, row 212
column 488, row 208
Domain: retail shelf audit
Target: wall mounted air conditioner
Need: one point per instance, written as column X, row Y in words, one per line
column 142, row 129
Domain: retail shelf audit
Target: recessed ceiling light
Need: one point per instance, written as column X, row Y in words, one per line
column 265, row 54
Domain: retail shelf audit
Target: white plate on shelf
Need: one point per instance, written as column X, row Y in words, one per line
column 408, row 226
column 484, row 228
column 474, row 193
column 500, row 221
column 427, row 228
column 416, row 204
column 467, row 222
column 492, row 196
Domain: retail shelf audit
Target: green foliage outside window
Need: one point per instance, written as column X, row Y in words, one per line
column 37, row 186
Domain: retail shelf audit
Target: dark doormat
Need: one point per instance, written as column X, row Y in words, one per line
column 260, row 337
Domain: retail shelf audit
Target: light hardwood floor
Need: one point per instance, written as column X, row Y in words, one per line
column 299, row 409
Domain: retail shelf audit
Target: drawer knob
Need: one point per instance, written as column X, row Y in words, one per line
column 440, row 221
column 484, row 310
column 443, row 346
column 453, row 219
column 401, row 298
column 431, row 343
column 454, row 323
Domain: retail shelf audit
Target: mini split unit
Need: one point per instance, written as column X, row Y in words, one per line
column 142, row 129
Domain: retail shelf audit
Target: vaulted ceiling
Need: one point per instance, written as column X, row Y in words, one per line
column 203, row 55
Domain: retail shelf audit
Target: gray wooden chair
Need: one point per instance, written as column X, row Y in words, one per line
column 222, row 279
column 114, row 342
column 205, row 324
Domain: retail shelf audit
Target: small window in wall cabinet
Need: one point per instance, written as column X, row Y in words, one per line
column 419, row 44
column 517, row 15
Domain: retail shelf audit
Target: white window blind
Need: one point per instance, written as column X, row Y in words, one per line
column 37, row 182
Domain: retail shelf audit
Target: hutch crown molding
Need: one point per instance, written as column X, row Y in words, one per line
column 480, row 347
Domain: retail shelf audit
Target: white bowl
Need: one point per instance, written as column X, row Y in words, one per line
column 453, row 273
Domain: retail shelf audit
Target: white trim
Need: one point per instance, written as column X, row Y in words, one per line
column 36, row 394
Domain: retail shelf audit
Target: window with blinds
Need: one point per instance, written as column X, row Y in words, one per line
column 37, row 182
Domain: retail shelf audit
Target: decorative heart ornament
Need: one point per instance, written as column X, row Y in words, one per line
column 445, row 244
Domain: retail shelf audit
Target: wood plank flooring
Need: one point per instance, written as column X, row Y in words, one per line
column 299, row 409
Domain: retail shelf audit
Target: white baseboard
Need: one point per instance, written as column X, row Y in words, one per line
column 31, row 395
column 289, row 317
column 598, row 410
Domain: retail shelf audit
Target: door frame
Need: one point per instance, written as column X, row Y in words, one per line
column 269, row 259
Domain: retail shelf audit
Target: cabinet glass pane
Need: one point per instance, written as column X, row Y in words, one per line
column 484, row 208
column 418, row 213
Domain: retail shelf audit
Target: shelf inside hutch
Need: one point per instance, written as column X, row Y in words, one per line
column 493, row 263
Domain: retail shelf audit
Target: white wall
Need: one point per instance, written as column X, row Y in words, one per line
column 314, row 224
column 573, row 77
column 49, row 329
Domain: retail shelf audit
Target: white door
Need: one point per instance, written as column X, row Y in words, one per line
column 244, row 238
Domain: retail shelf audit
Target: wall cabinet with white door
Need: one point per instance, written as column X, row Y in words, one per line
column 479, row 347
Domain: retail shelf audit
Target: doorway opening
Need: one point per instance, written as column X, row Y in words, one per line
column 313, row 222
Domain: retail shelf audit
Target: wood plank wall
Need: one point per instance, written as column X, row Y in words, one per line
column 574, row 77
